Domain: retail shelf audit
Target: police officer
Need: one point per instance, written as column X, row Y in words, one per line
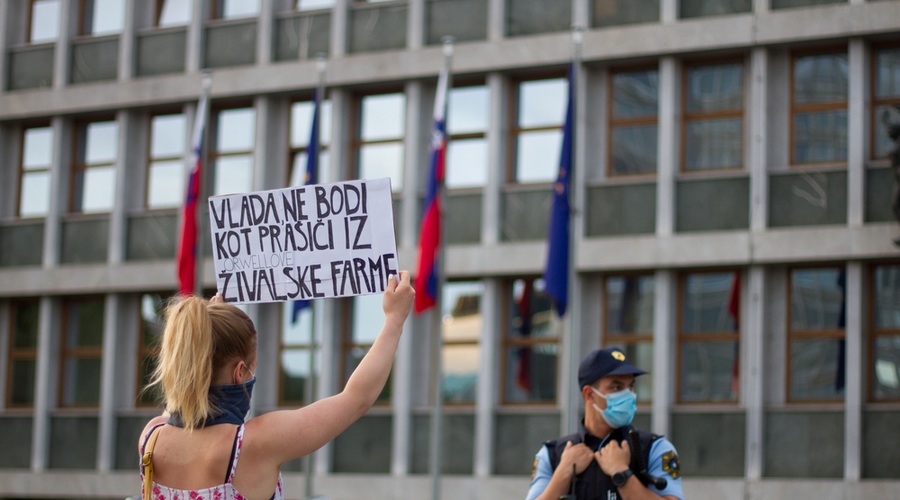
column 599, row 457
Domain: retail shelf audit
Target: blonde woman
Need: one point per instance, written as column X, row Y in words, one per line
column 202, row 449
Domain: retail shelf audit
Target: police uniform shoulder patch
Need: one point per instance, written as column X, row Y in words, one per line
column 670, row 464
column 534, row 468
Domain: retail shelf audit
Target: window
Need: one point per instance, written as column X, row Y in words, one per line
column 34, row 174
column 885, row 96
column 708, row 331
column 540, row 111
column 301, row 126
column 462, row 328
column 365, row 319
column 82, row 351
column 173, row 13
column 633, row 110
column 233, row 153
column 531, row 344
column 713, row 116
column 299, row 350
column 313, row 4
column 102, row 17
column 43, row 25
column 816, row 334
column 94, row 172
column 467, row 123
column 232, row 9
column 628, row 323
column 885, row 323
column 381, row 134
column 819, row 108
column 166, row 174
column 150, row 331
column 23, row 344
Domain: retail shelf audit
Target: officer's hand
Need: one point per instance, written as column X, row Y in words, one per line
column 577, row 454
column 614, row 457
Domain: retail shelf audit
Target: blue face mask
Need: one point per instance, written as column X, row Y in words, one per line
column 231, row 401
column 620, row 407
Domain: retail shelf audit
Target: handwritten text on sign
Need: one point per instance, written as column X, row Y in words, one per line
column 327, row 240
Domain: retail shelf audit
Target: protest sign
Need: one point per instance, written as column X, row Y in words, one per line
column 300, row 243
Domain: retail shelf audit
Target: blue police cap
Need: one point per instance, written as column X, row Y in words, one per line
column 603, row 362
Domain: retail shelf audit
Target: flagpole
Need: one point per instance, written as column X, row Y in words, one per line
column 574, row 351
column 206, row 80
column 436, row 315
column 310, row 380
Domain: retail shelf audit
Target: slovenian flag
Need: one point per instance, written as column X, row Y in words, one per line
column 556, row 274
column 187, row 244
column 427, row 278
column 312, row 167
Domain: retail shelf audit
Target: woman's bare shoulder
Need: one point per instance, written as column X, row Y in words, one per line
column 153, row 422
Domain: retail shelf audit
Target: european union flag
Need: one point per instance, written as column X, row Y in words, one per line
column 556, row 274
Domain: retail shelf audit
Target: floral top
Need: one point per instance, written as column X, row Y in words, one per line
column 225, row 491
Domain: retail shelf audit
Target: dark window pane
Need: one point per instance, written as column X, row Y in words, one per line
column 817, row 369
column 887, row 68
column 707, row 299
column 715, row 88
column 820, row 136
column 81, row 382
column 21, row 384
column 634, row 149
column 886, row 366
column 27, row 314
column 629, row 305
column 817, row 299
column 820, row 78
column 887, row 297
column 714, row 144
column 709, row 371
column 530, row 313
column 635, row 94
column 531, row 373
column 84, row 325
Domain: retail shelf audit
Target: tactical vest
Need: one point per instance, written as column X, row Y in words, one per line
column 592, row 483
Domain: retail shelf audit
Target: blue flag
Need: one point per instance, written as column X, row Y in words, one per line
column 556, row 274
column 312, row 166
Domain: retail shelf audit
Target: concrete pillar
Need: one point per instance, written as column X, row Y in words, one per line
column 329, row 379
column 761, row 6
column 496, row 140
column 668, row 11
column 265, row 33
column 118, row 218
column 59, row 190
column 340, row 23
column 401, row 402
column 496, row 28
column 127, row 42
column 196, row 37
column 854, row 385
column 6, row 28
column 758, row 118
column 488, row 377
column 45, row 382
column 110, row 375
column 663, row 349
column 857, row 130
column 415, row 162
column 415, row 25
column 668, row 153
column 68, row 21
column 753, row 369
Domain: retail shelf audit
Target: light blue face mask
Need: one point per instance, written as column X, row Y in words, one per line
column 620, row 407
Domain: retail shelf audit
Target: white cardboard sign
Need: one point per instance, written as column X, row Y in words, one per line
column 300, row 243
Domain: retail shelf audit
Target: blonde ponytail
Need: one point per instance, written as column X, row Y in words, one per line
column 199, row 338
column 185, row 367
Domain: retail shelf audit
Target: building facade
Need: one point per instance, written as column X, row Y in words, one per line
column 732, row 229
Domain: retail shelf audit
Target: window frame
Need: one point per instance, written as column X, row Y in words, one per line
column 313, row 347
column 150, row 159
column 21, row 172
column 461, row 343
column 875, row 102
column 294, row 151
column 508, row 342
column 463, row 136
column 682, row 337
column 700, row 116
column 15, row 354
column 791, row 335
column 212, row 155
column 811, row 108
column 66, row 353
column 85, row 31
column 80, row 165
column 28, row 19
column 613, row 123
column 357, row 142
column 874, row 334
column 513, row 131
